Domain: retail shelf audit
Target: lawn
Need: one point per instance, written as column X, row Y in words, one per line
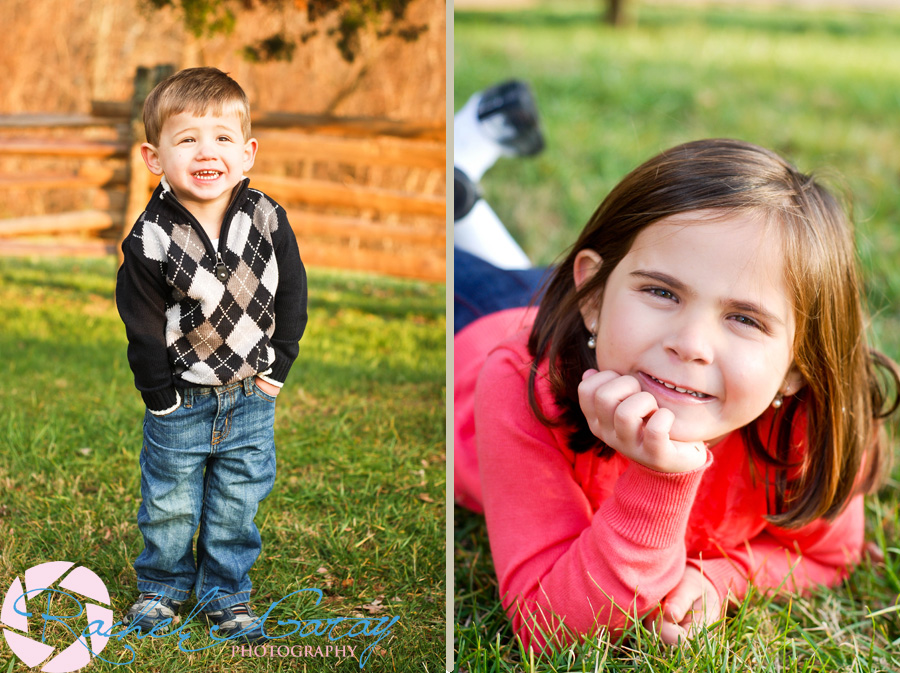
column 820, row 87
column 358, row 507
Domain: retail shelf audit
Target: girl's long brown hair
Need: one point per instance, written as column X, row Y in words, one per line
column 848, row 385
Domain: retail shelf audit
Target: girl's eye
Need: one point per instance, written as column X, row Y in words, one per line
column 224, row 139
column 749, row 322
column 186, row 140
column 660, row 292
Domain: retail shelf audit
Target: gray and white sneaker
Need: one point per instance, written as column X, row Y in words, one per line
column 237, row 622
column 150, row 609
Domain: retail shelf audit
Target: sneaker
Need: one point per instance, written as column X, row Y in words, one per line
column 237, row 622
column 150, row 609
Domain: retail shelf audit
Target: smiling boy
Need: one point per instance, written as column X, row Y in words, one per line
column 213, row 295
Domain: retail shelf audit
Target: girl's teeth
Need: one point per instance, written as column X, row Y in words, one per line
column 680, row 390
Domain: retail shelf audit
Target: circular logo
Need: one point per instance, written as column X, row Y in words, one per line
column 47, row 581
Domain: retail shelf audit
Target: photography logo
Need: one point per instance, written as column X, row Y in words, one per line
column 74, row 594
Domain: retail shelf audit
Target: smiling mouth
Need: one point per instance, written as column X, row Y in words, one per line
column 207, row 175
column 677, row 389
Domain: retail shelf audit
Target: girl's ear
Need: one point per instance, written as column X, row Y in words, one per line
column 793, row 382
column 151, row 157
column 587, row 263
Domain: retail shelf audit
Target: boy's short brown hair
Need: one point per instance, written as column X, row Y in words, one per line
column 201, row 91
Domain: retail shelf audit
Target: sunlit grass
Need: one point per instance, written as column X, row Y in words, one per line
column 357, row 509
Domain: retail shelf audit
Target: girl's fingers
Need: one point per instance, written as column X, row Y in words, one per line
column 598, row 395
column 591, row 381
column 652, row 621
column 675, row 610
column 703, row 611
column 689, row 607
column 629, row 415
column 609, row 395
column 673, row 456
column 631, row 422
column 693, row 621
column 697, row 617
column 873, row 551
column 656, row 431
column 683, row 596
column 671, row 633
column 679, row 601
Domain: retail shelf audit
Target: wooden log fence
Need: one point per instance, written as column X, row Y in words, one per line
column 362, row 194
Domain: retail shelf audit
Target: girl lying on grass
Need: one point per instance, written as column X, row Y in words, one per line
column 692, row 409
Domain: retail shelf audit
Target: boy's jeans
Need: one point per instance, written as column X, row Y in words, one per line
column 229, row 431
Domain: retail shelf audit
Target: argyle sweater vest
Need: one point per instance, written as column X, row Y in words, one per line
column 197, row 315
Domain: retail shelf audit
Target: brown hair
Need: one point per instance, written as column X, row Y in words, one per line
column 201, row 91
column 845, row 396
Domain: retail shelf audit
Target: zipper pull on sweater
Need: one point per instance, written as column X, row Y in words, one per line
column 221, row 270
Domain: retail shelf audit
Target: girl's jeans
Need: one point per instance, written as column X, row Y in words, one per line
column 209, row 463
column 480, row 288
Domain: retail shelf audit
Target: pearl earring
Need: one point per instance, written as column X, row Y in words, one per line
column 779, row 398
column 592, row 340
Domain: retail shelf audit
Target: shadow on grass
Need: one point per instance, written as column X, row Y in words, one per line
column 379, row 296
column 78, row 278
column 330, row 291
column 393, row 307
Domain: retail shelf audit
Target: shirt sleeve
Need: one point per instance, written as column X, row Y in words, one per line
column 784, row 560
column 141, row 301
column 563, row 570
column 290, row 302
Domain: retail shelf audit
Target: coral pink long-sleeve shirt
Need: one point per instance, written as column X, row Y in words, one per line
column 580, row 543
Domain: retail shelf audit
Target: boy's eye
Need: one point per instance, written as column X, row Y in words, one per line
column 224, row 139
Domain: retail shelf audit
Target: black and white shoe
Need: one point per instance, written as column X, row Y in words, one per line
column 151, row 609
column 237, row 622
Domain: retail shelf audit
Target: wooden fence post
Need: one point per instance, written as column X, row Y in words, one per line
column 145, row 79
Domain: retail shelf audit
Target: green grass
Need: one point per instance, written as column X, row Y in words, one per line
column 855, row 627
column 357, row 509
column 821, row 87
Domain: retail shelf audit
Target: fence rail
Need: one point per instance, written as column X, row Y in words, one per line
column 364, row 194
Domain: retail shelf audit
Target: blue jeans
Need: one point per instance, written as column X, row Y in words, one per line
column 480, row 288
column 209, row 463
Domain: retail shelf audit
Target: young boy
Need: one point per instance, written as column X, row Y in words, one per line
column 213, row 296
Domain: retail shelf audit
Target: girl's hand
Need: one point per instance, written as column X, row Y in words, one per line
column 631, row 422
column 692, row 604
column 267, row 387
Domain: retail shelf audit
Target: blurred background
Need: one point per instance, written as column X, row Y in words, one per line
column 818, row 82
column 70, row 52
column 348, row 103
